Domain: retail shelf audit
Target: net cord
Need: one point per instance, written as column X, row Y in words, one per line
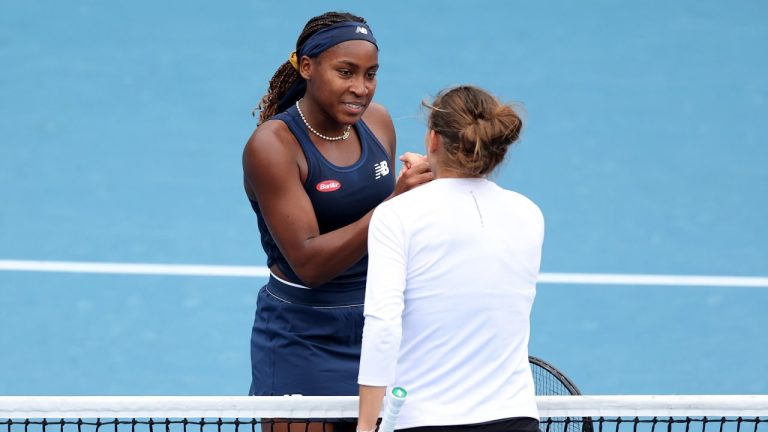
column 65, row 407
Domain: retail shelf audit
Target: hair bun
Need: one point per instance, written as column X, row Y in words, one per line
column 477, row 128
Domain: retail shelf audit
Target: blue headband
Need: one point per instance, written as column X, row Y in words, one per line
column 316, row 45
column 334, row 35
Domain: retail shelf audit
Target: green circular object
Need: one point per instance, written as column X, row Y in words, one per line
column 399, row 392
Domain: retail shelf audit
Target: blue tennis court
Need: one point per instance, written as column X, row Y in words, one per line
column 123, row 124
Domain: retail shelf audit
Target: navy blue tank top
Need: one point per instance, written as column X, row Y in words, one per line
column 339, row 195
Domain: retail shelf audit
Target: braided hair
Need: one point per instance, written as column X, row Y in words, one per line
column 286, row 75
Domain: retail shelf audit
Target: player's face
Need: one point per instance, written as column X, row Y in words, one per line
column 342, row 80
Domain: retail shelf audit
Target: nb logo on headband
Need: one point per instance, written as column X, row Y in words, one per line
column 361, row 29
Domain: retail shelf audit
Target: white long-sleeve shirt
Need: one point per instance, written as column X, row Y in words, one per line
column 452, row 276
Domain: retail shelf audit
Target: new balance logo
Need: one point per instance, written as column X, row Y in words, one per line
column 381, row 169
column 361, row 29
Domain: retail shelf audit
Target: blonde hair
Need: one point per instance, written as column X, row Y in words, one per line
column 477, row 129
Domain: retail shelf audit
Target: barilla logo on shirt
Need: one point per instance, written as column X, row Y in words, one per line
column 328, row 186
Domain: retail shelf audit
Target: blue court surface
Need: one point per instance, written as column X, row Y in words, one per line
column 122, row 125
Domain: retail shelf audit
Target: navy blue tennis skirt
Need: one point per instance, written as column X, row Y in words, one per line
column 302, row 345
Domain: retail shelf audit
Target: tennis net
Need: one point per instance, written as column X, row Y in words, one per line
column 723, row 413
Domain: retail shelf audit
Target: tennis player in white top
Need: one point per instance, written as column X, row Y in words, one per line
column 451, row 280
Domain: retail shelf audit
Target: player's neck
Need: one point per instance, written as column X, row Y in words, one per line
column 447, row 172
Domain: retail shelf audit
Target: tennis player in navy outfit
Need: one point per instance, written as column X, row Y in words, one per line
column 319, row 162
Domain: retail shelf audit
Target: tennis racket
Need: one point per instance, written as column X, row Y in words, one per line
column 394, row 403
column 549, row 381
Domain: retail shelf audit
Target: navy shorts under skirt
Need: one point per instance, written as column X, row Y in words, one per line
column 302, row 349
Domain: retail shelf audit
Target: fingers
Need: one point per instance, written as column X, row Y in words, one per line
column 419, row 179
column 414, row 172
column 419, row 167
column 409, row 178
column 409, row 158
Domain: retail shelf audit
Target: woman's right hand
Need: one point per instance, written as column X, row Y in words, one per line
column 414, row 172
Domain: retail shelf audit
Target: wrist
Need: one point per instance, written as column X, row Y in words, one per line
column 361, row 429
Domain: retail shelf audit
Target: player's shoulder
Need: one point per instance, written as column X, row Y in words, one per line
column 409, row 204
column 380, row 123
column 376, row 112
column 522, row 202
column 270, row 147
column 272, row 136
column 269, row 132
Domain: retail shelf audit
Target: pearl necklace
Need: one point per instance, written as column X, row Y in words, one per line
column 343, row 136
